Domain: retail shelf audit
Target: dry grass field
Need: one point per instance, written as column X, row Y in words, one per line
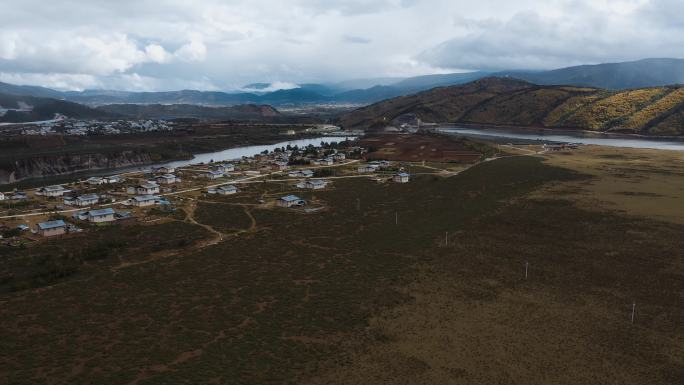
column 369, row 291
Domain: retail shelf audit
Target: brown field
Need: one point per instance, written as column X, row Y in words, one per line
column 420, row 283
column 418, row 148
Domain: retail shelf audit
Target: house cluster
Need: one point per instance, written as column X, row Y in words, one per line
column 561, row 146
column 97, row 180
column 313, row 184
column 65, row 126
column 223, row 190
column 374, row 166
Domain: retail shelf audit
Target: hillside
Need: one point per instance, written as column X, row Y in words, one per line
column 28, row 109
column 505, row 101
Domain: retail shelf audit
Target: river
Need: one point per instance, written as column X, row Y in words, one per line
column 238, row 152
column 218, row 156
column 566, row 137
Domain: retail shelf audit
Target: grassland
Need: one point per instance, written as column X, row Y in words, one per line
column 369, row 292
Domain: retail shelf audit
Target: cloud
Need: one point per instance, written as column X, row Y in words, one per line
column 356, row 39
column 579, row 33
column 158, row 44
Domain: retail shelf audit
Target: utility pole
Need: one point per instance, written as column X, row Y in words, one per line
column 527, row 264
column 633, row 311
column 446, row 239
column 396, row 218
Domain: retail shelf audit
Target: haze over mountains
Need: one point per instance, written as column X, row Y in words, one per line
column 615, row 76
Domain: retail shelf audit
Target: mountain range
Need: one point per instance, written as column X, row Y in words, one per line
column 613, row 76
column 503, row 101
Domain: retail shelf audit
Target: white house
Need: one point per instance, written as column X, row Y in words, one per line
column 97, row 216
column 369, row 168
column 214, row 174
column 144, row 200
column 95, row 181
column 163, row 170
column 114, row 179
column 52, row 228
column 53, row 191
column 402, row 177
column 339, row 156
column 147, row 189
column 86, row 200
column 227, row 190
column 301, row 174
column 225, row 167
column 316, row 184
column 2, row 196
column 280, row 166
column 290, row 201
column 167, row 179
column 326, row 162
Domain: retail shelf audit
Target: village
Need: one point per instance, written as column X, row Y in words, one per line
column 153, row 194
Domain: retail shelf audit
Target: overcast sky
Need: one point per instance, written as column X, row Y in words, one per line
column 225, row 44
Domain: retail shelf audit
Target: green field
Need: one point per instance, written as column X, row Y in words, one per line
column 370, row 293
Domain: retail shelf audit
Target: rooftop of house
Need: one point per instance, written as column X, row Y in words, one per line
column 317, row 182
column 144, row 198
column 52, row 225
column 290, row 198
column 88, row 197
column 167, row 176
column 53, row 188
column 403, row 174
column 229, row 187
column 100, row 213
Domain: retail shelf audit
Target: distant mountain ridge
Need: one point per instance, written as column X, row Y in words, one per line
column 614, row 76
column 29, row 108
column 496, row 101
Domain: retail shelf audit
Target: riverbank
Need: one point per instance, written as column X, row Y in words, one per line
column 552, row 136
column 560, row 131
column 25, row 158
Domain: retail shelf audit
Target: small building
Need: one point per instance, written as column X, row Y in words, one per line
column 290, row 201
column 367, row 169
column 97, row 216
column 53, row 191
column 301, row 174
column 227, row 190
column 86, row 200
column 2, row 196
column 114, row 179
column 144, row 200
column 163, row 170
column 339, row 156
column 225, row 167
column 316, row 184
column 52, row 228
column 147, row 189
column 326, row 162
column 167, row 179
column 95, row 181
column 290, row 132
column 19, row 196
column 402, row 177
column 214, row 174
column 279, row 166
